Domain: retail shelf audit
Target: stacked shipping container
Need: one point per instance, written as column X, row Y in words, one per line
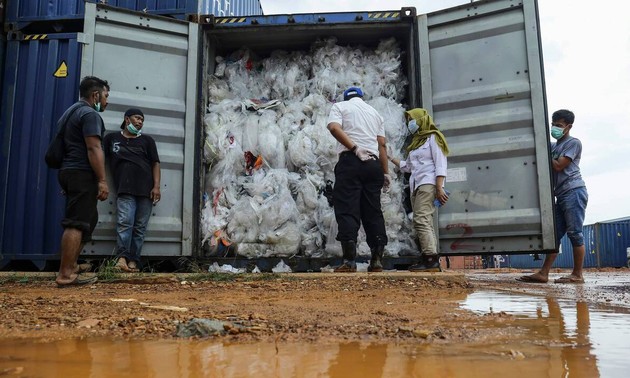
column 606, row 246
column 40, row 80
column 502, row 39
column 21, row 12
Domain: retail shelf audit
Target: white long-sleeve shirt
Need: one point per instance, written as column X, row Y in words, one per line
column 424, row 163
column 361, row 122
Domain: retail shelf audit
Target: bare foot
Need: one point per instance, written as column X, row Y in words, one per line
column 570, row 279
column 534, row 278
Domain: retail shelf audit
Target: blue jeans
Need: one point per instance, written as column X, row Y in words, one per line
column 133, row 217
column 569, row 210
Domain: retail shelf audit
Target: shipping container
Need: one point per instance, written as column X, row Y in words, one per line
column 606, row 245
column 477, row 69
column 22, row 12
column 40, row 81
column 227, row 8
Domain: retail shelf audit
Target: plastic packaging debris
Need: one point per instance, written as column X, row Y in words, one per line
column 225, row 268
column 281, row 268
column 277, row 202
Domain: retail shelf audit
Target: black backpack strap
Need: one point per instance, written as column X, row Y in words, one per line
column 61, row 123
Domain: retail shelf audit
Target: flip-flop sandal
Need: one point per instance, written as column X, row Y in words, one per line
column 569, row 280
column 530, row 279
column 79, row 281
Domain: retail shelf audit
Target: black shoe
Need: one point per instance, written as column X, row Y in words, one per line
column 375, row 262
column 349, row 249
column 427, row 264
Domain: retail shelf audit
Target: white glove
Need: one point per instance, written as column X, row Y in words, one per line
column 364, row 154
column 387, row 183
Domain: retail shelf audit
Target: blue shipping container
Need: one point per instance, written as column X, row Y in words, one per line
column 24, row 11
column 20, row 12
column 226, row 8
column 3, row 46
column 606, row 244
column 41, row 79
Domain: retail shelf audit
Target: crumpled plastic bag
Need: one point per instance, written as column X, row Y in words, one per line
column 281, row 267
column 225, row 268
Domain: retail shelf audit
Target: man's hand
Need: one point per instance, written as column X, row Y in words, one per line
column 364, row 154
column 103, row 190
column 387, row 183
column 155, row 195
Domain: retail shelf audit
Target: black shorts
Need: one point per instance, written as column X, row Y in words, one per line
column 81, row 189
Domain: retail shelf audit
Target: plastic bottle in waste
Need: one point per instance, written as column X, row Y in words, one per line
column 437, row 202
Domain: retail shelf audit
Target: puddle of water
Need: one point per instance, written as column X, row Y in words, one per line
column 590, row 340
column 543, row 337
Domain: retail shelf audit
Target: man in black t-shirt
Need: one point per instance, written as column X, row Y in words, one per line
column 82, row 176
column 135, row 166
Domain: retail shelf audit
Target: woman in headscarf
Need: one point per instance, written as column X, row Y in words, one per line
column 426, row 162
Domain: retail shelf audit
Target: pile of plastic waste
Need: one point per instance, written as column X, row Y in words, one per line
column 269, row 158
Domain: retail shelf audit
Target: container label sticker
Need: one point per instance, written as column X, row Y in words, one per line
column 456, row 174
column 62, row 71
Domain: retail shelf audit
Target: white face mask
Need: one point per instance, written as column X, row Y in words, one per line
column 412, row 126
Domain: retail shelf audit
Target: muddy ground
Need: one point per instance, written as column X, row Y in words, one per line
column 389, row 306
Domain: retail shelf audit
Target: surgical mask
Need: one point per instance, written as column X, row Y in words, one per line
column 132, row 129
column 413, row 126
column 97, row 106
column 557, row 132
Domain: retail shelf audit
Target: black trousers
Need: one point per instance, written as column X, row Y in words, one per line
column 357, row 199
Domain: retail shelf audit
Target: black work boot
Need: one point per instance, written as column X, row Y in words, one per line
column 428, row 263
column 375, row 263
column 349, row 249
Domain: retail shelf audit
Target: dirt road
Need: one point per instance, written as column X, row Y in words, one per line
column 267, row 307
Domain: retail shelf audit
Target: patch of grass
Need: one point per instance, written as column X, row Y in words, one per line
column 22, row 278
column 107, row 271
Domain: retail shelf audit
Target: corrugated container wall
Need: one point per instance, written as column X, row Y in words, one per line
column 24, row 11
column 3, row 46
column 41, row 80
column 226, row 8
column 46, row 10
column 606, row 245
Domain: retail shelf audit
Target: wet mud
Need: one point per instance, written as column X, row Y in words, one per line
column 376, row 325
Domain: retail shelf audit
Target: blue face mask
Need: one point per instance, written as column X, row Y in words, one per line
column 412, row 126
column 557, row 132
column 132, row 129
column 97, row 106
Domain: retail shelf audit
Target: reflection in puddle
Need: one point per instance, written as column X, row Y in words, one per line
column 543, row 337
column 588, row 342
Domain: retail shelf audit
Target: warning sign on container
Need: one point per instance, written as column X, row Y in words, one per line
column 62, row 71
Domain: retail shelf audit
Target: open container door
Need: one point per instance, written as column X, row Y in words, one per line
column 481, row 77
column 151, row 64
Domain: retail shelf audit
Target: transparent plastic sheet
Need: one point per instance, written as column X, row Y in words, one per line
column 272, row 214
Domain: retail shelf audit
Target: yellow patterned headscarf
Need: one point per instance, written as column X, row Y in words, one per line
column 426, row 128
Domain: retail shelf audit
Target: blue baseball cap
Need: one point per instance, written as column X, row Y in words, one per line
column 352, row 92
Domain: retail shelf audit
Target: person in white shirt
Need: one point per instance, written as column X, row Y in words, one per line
column 360, row 174
column 426, row 162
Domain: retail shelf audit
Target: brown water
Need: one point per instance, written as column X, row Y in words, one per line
column 545, row 337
